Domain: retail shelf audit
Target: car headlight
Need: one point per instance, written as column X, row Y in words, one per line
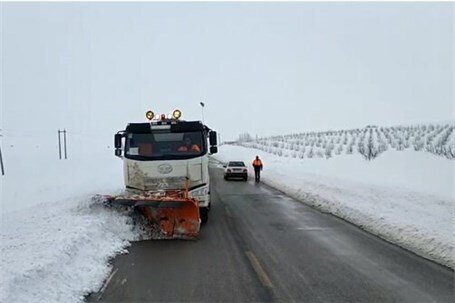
column 199, row 192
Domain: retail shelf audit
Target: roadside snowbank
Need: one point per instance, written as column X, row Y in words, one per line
column 54, row 243
column 58, row 252
column 404, row 197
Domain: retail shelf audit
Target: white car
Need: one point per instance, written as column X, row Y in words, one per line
column 235, row 169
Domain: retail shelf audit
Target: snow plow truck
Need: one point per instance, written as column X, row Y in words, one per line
column 165, row 165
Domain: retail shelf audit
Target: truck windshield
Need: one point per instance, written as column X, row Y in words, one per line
column 165, row 145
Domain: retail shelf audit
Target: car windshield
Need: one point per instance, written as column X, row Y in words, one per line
column 237, row 163
column 164, row 144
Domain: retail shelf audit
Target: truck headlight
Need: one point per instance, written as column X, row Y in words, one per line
column 199, row 192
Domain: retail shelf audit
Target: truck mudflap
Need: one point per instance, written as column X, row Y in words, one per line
column 173, row 213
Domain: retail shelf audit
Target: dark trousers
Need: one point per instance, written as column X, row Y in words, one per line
column 257, row 174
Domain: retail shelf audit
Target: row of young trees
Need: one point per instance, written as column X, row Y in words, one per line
column 370, row 141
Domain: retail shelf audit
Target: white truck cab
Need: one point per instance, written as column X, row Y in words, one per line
column 167, row 154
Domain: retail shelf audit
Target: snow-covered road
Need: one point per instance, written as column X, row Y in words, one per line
column 404, row 197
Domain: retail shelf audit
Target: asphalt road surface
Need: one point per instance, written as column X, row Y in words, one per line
column 260, row 245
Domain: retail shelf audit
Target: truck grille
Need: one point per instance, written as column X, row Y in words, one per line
column 164, row 183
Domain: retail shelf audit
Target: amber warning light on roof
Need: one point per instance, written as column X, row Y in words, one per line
column 177, row 114
column 149, row 115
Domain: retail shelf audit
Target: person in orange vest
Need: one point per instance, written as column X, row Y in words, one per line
column 188, row 146
column 145, row 149
column 257, row 164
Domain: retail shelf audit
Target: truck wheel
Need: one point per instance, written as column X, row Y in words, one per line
column 245, row 178
column 204, row 214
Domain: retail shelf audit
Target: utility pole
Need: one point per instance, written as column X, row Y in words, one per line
column 1, row 159
column 1, row 162
column 64, row 141
column 59, row 146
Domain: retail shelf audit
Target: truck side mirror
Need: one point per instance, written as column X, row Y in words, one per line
column 118, row 152
column 213, row 149
column 118, row 141
column 212, row 138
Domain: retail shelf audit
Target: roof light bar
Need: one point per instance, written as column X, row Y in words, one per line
column 177, row 114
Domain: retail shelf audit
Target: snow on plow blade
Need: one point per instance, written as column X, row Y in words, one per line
column 175, row 215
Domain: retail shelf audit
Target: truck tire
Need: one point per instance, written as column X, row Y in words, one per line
column 204, row 214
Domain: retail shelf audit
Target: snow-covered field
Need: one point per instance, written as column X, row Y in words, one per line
column 370, row 141
column 405, row 197
column 55, row 245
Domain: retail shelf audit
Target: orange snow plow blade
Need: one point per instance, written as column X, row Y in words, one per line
column 174, row 213
column 175, row 217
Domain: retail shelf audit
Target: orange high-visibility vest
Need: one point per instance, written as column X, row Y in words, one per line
column 195, row 148
column 145, row 149
column 257, row 162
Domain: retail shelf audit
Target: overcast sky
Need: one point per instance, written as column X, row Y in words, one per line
column 265, row 68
